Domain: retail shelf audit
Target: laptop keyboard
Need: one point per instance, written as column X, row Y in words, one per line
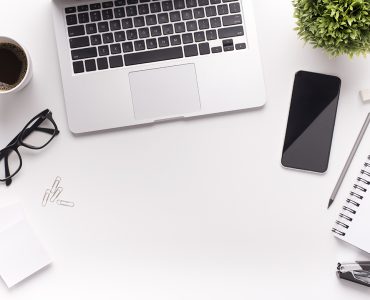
column 120, row 33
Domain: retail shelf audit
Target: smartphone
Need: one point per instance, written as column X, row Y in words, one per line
column 311, row 121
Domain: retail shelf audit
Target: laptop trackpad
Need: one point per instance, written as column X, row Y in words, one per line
column 165, row 92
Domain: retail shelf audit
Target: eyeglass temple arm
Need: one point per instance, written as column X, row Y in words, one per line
column 7, row 171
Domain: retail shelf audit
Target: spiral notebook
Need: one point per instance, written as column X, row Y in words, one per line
column 353, row 221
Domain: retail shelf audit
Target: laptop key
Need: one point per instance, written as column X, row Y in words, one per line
column 204, row 48
column 103, row 27
column 230, row 32
column 191, row 3
column 76, row 30
column 119, row 12
column 119, row 36
column 234, row 7
column 175, row 40
column 95, row 6
column 216, row 49
column 115, row 25
column 151, row 43
column 82, row 8
column 131, row 11
column 127, row 23
column 187, row 38
column 240, row 46
column 215, row 22
column 222, row 9
column 155, row 7
column 203, row 2
column 191, row 26
column 228, row 45
column 187, row 14
column 119, row 2
column 103, row 50
column 79, row 42
column 127, row 47
column 139, row 45
column 139, row 21
column 95, row 16
column 115, row 48
column 199, row 13
column 107, row 14
column 83, row 18
column 143, row 33
column 191, row 50
column 70, row 10
column 211, row 11
column 71, row 19
column 163, row 18
column 167, row 5
column 211, row 34
column 179, row 27
column 232, row 20
column 91, row 28
column 199, row 36
column 155, row 31
column 95, row 39
column 151, row 20
column 84, row 53
column 179, row 4
column 131, row 34
column 153, row 56
column 143, row 9
column 78, row 67
column 163, row 42
column 102, row 63
column 175, row 16
column 116, row 61
column 203, row 24
column 90, row 65
column 167, row 29
column 108, row 4
column 108, row 38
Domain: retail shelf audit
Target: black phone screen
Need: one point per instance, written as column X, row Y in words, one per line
column 311, row 121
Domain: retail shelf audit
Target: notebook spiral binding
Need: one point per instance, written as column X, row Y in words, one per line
column 353, row 202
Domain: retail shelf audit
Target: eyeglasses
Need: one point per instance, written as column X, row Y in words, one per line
column 37, row 134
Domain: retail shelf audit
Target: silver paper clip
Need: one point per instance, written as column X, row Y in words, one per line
column 46, row 198
column 65, row 203
column 56, row 194
column 55, row 185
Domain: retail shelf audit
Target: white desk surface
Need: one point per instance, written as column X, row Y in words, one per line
column 195, row 209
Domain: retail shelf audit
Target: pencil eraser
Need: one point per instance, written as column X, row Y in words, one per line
column 365, row 95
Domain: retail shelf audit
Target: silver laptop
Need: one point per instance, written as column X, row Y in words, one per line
column 131, row 62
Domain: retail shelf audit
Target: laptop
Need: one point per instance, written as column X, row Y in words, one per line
column 132, row 62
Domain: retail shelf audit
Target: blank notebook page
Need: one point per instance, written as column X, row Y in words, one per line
column 353, row 220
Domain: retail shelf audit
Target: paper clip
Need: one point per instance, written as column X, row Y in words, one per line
column 56, row 194
column 55, row 185
column 65, row 203
column 46, row 198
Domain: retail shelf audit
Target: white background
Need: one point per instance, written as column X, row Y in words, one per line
column 196, row 209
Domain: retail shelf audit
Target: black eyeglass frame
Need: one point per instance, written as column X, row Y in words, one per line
column 18, row 141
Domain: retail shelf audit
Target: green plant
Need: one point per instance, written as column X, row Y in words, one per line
column 337, row 26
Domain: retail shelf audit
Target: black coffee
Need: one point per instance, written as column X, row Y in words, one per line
column 13, row 66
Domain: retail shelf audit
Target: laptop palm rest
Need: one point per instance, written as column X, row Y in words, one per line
column 165, row 92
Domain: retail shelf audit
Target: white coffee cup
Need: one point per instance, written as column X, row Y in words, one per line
column 28, row 74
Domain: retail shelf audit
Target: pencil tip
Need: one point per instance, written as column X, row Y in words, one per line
column 330, row 203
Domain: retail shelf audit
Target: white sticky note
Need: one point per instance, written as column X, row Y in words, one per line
column 21, row 253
